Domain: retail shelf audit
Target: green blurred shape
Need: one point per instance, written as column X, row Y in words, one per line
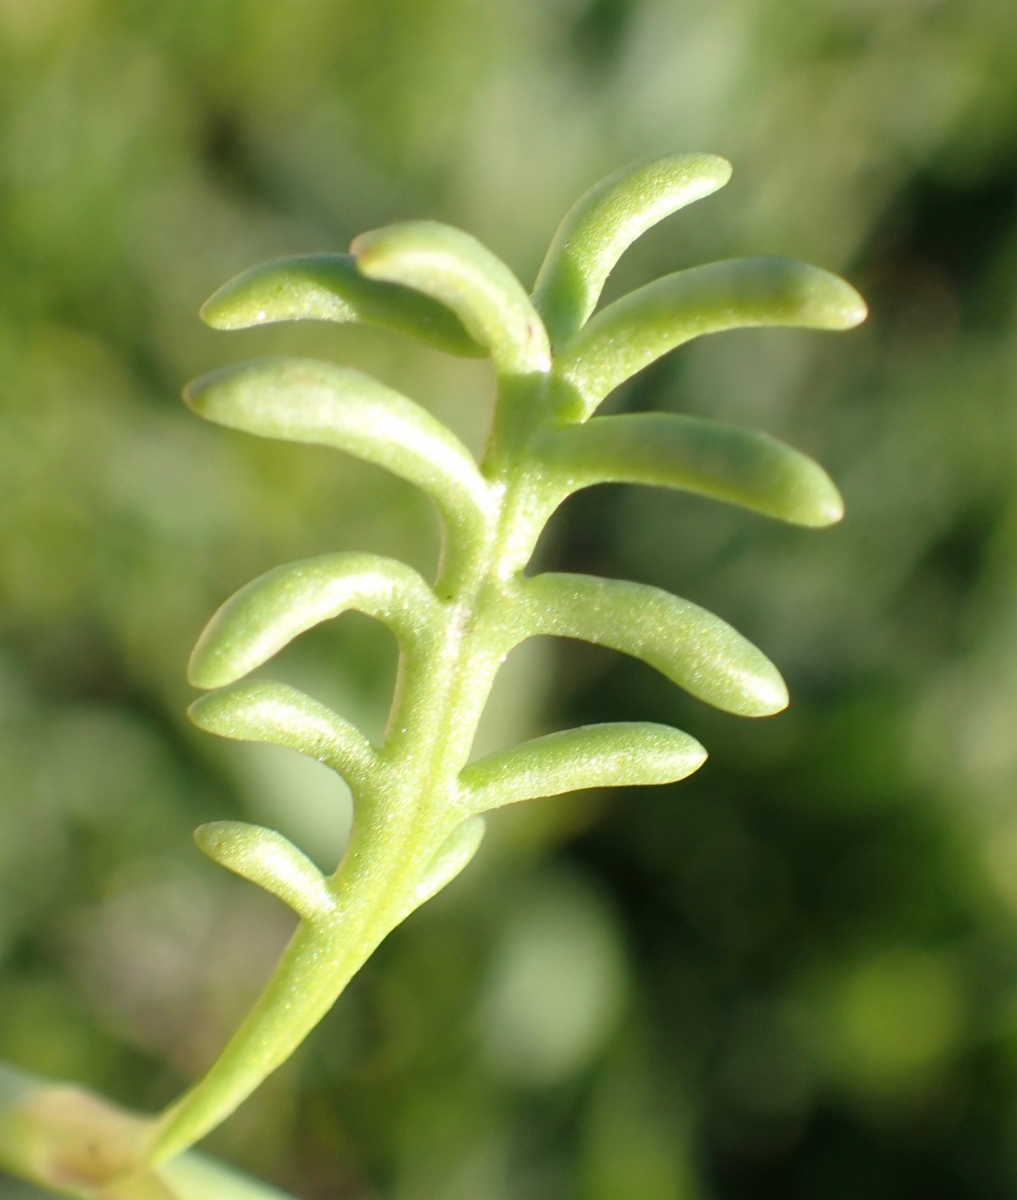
column 894, row 1019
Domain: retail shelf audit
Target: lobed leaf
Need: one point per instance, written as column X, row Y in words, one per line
column 265, row 711
column 604, row 222
column 451, row 859
column 637, row 329
column 303, row 400
column 621, row 754
column 695, row 455
column 689, row 645
column 271, row 861
column 328, row 287
column 267, row 614
column 453, row 267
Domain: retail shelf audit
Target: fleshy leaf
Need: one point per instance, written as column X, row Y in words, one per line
column 328, row 287
column 452, row 859
column 265, row 711
column 604, row 222
column 271, row 861
column 706, row 457
column 453, row 267
column 692, row 647
column 303, row 400
column 256, row 622
column 637, row 329
column 622, row 754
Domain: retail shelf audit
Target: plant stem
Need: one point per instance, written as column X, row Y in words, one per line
column 440, row 696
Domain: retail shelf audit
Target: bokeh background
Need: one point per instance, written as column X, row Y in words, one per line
column 794, row 975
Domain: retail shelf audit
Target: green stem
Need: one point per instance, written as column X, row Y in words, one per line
column 439, row 699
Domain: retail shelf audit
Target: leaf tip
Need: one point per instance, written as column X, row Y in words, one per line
column 372, row 249
column 197, row 394
column 269, row 860
column 206, row 712
column 216, row 314
column 206, row 669
column 854, row 310
column 214, row 838
column 716, row 169
column 695, row 756
column 829, row 510
column 768, row 695
column 191, row 393
column 239, row 303
column 843, row 307
column 821, row 504
column 361, row 243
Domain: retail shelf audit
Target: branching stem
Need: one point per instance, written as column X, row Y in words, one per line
column 401, row 825
column 416, row 802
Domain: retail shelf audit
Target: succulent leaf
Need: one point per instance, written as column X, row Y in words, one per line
column 442, row 285
column 621, row 754
column 271, row 861
column 690, row 646
column 266, row 615
column 328, row 287
column 453, row 267
column 604, row 222
column 636, row 330
column 265, row 711
column 451, row 859
column 303, row 400
column 695, row 455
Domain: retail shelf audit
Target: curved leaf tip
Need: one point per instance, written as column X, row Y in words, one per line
column 605, row 221
column 708, row 457
column 264, row 711
column 827, row 505
column 766, row 695
column 270, row 611
column 328, row 287
column 628, row 335
column 834, row 304
column 616, row 754
column 690, row 646
column 269, row 860
column 452, row 267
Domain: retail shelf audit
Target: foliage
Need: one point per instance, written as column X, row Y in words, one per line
column 417, row 803
column 793, row 972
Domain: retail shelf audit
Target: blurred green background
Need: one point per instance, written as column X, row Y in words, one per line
column 793, row 976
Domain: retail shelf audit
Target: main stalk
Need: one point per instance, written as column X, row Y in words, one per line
column 440, row 695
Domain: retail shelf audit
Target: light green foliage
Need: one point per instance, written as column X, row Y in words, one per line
column 737, row 465
column 418, row 799
column 639, row 328
column 416, row 796
column 615, row 753
column 328, row 287
column 602, row 224
column 153, row 151
column 271, row 861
